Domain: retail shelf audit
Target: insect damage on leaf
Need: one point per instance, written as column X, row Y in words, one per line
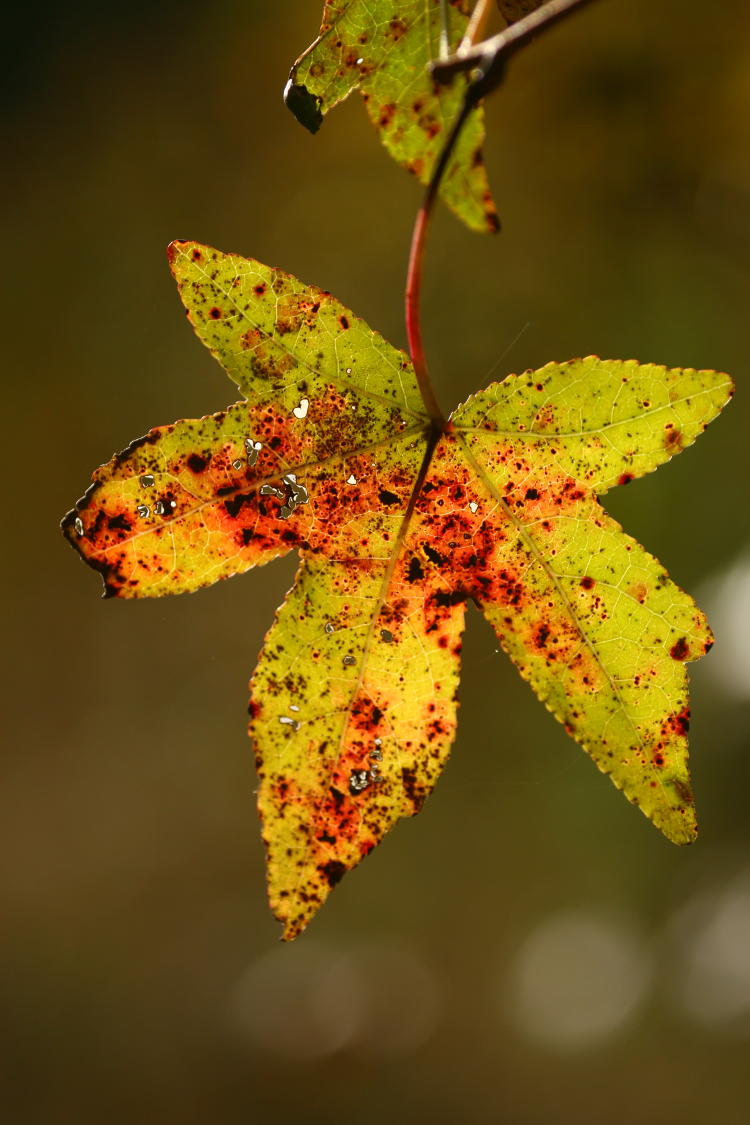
column 397, row 525
column 382, row 48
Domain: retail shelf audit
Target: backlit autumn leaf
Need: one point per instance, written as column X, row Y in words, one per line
column 382, row 48
column 397, row 524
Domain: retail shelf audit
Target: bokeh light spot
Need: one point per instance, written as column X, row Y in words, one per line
column 577, row 981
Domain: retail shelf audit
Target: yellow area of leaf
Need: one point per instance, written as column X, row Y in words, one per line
column 382, row 48
column 362, row 727
column 397, row 526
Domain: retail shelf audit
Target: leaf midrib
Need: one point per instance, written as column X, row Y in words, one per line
column 419, row 480
column 554, row 434
column 256, row 484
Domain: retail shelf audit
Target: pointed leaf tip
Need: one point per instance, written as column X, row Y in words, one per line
column 181, row 251
column 172, row 250
column 305, row 106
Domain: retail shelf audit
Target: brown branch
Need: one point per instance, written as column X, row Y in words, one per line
column 491, row 56
column 476, row 25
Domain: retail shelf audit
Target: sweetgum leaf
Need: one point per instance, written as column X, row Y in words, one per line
column 382, row 48
column 397, row 526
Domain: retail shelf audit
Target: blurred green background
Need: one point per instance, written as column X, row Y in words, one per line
column 529, row 949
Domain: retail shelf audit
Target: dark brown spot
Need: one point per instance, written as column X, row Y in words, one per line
column 234, row 506
column 387, row 497
column 542, row 635
column 333, row 871
column 443, row 599
column 387, row 114
column 197, row 463
column 415, row 570
column 682, row 721
column 412, row 788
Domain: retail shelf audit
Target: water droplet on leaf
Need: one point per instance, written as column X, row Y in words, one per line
column 351, row 480
column 330, row 627
column 143, row 511
column 298, row 494
column 238, row 464
column 473, row 505
column 349, row 660
column 252, row 449
column 301, row 410
column 358, row 781
column 78, row 525
column 287, row 722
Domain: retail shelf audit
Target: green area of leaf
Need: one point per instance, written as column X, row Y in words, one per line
column 382, row 48
column 398, row 526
